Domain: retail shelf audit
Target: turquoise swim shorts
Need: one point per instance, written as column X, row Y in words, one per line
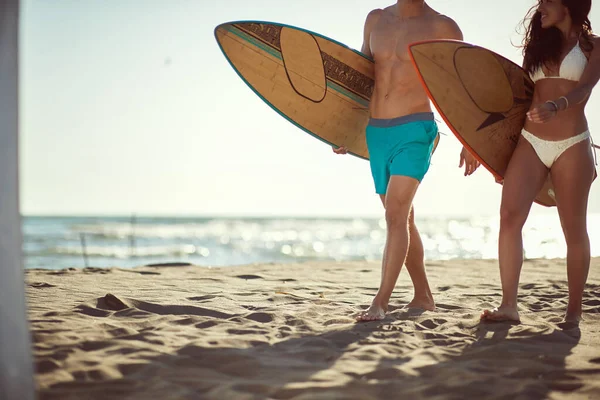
column 400, row 146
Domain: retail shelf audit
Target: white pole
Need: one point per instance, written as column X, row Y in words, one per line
column 16, row 370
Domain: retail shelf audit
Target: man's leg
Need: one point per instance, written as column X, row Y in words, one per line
column 398, row 202
column 415, row 264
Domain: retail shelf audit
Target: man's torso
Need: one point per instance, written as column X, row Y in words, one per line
column 398, row 90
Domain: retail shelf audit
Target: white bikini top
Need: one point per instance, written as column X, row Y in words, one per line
column 571, row 68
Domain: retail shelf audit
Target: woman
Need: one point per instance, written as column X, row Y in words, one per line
column 563, row 59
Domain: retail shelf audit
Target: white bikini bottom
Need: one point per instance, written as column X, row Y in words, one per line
column 548, row 151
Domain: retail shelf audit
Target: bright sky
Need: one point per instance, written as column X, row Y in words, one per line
column 129, row 107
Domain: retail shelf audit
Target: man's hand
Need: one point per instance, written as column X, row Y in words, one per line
column 470, row 162
column 340, row 150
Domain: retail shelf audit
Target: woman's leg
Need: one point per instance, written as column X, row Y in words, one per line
column 523, row 180
column 572, row 176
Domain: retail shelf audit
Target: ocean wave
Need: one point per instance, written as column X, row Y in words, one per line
column 124, row 252
column 246, row 230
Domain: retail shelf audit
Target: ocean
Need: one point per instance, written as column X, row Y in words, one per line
column 76, row 242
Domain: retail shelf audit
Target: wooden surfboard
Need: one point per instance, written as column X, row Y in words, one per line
column 483, row 98
column 318, row 84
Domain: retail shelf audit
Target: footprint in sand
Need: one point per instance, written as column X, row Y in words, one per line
column 186, row 321
column 540, row 305
column 91, row 311
column 553, row 296
column 94, row 346
column 160, row 309
column 282, row 334
column 447, row 306
column 529, row 286
column 144, row 272
column 249, row 277
column 46, row 366
column 203, row 298
column 433, row 323
column 247, row 332
column 119, row 332
column 41, row 285
column 260, row 317
column 207, row 324
column 61, row 355
column 252, row 308
column 51, row 314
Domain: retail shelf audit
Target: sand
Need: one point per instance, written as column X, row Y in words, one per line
column 286, row 332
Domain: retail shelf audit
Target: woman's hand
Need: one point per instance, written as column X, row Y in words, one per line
column 542, row 113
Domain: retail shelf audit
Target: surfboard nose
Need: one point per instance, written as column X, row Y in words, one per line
column 303, row 64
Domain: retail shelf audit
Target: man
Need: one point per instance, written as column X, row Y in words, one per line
column 400, row 139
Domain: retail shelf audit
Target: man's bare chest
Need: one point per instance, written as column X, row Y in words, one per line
column 392, row 37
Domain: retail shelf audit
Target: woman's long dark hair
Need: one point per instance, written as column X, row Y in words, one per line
column 543, row 47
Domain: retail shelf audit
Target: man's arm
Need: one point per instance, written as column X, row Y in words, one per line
column 372, row 19
column 447, row 28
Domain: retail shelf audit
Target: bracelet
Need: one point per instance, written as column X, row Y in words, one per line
column 554, row 104
column 566, row 101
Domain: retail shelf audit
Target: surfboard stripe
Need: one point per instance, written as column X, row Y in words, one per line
column 270, row 36
column 348, row 77
column 341, row 90
column 252, row 40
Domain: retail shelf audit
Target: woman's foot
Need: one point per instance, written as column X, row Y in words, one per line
column 375, row 312
column 502, row 313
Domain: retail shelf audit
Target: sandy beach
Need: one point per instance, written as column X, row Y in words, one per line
column 287, row 332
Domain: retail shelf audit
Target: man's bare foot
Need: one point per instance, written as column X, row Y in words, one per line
column 422, row 304
column 375, row 312
column 502, row 313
